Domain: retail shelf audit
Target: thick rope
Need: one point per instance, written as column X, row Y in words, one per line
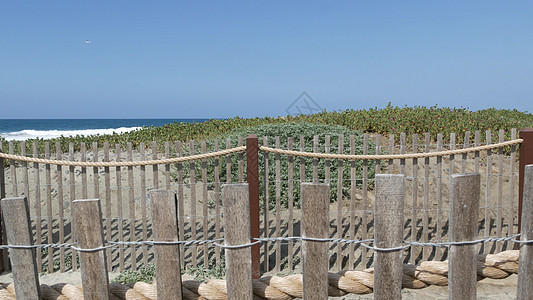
column 389, row 156
column 495, row 266
column 122, row 163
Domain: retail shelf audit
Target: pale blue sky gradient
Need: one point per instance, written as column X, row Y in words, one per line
column 207, row 59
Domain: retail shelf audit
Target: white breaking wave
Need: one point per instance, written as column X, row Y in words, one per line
column 50, row 134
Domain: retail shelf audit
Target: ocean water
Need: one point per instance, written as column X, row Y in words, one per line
column 22, row 129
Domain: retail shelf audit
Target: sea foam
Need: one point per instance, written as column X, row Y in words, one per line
column 50, row 134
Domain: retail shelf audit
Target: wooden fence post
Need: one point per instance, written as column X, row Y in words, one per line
column 525, row 267
column 388, row 219
column 167, row 257
column 239, row 260
column 252, row 177
column 2, row 196
column 89, row 233
column 315, row 224
column 526, row 158
column 464, row 198
column 18, row 230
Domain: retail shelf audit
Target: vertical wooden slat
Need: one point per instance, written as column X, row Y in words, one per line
column 142, row 150
column 4, row 265
column 83, row 171
column 402, row 151
column 13, row 170
column 266, row 158
column 88, row 218
column 118, row 178
column 16, row 217
column 49, row 220
column 131, row 201
column 327, row 162
column 192, row 180
column 25, row 176
column 414, row 209
column 391, row 152
column 526, row 158
column 438, row 185
column 512, row 169
column 464, row 196
column 364, row 216
column 237, row 222
column 353, row 188
column 378, row 152
column 72, row 192
column 452, row 157
column 477, row 143
column 388, row 233
column 464, row 159
column 108, row 218
column 315, row 160
column 525, row 267
column 240, row 159
column 277, row 233
column 228, row 161
column 488, row 190
column 59, row 180
column 181, row 204
column 167, row 257
column 302, row 160
column 217, row 202
column 96, row 190
column 425, row 221
column 2, row 175
column 499, row 211
column 167, row 166
column 315, row 224
column 38, row 221
column 290, row 186
column 155, row 167
column 340, row 232
column 204, row 205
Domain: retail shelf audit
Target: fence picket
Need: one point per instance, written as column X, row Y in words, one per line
column 277, row 158
column 466, row 144
column 181, row 205
column 59, row 181
column 108, row 218
column 120, row 221
column 94, row 278
column 365, row 210
column 142, row 150
column 353, row 198
column 167, row 166
column 425, row 205
column 438, row 173
column 488, row 191
column 414, row 209
column 167, row 257
column 388, row 233
column 237, row 222
column 155, row 167
column 192, row 180
column 315, row 224
column 16, row 217
column 315, row 160
column 72, row 192
column 38, row 221
column 512, row 195
column 266, row 208
column 49, row 220
column 13, row 171
column 340, row 232
column 217, row 203
column 464, row 207
column 290, row 223
column 500, row 218
column 525, row 267
column 205, row 213
column 391, row 151
column 131, row 201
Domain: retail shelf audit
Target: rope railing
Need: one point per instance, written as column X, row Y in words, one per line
column 123, row 163
column 389, row 156
column 262, row 148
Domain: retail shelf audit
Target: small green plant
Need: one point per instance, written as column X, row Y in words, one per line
column 144, row 274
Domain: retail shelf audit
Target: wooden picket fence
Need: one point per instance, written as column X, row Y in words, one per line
column 51, row 190
column 388, row 242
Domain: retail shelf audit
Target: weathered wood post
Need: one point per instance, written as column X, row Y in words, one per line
column 525, row 267
column 167, row 257
column 315, row 224
column 2, row 196
column 252, row 177
column 388, row 218
column 90, row 235
column 464, row 197
column 16, row 215
column 526, row 158
column 239, row 260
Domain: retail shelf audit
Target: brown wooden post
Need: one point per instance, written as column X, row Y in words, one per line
column 237, row 232
column 389, row 215
column 464, row 207
column 167, row 257
column 252, row 177
column 526, row 158
column 90, row 235
column 525, row 267
column 315, row 224
column 16, row 215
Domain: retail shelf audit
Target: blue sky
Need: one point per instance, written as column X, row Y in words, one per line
column 207, row 59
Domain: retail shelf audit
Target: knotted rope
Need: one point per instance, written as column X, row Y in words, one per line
column 495, row 266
